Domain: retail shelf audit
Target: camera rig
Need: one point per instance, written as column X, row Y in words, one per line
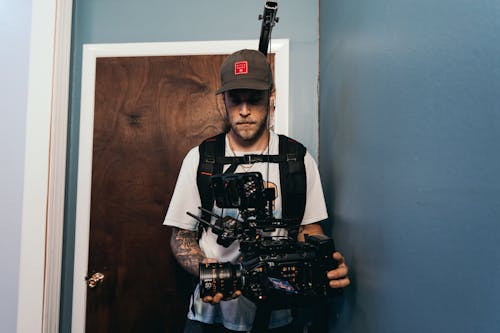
column 275, row 269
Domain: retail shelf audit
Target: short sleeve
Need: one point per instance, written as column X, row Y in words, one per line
column 185, row 197
column 315, row 210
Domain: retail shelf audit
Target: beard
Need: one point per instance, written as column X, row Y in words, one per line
column 248, row 131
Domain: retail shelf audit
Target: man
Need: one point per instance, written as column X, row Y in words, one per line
column 247, row 88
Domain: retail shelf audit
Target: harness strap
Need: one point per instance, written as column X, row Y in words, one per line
column 293, row 183
column 254, row 158
column 208, row 166
column 291, row 169
column 249, row 159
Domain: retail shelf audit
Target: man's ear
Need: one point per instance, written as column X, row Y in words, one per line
column 272, row 99
column 221, row 104
column 221, row 107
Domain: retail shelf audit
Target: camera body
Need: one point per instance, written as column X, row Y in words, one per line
column 239, row 190
column 279, row 270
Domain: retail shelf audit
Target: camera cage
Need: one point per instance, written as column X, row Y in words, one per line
column 245, row 192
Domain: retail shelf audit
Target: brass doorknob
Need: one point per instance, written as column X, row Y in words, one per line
column 95, row 279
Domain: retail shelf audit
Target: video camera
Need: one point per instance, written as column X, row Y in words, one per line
column 279, row 270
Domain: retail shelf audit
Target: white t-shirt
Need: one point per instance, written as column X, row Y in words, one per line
column 237, row 314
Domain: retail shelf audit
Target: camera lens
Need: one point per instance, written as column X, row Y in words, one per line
column 222, row 278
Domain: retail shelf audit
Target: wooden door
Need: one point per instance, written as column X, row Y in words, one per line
column 149, row 111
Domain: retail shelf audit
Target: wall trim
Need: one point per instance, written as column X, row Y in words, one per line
column 45, row 164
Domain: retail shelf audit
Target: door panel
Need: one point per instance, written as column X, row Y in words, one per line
column 149, row 111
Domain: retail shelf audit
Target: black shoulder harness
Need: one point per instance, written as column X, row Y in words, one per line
column 291, row 167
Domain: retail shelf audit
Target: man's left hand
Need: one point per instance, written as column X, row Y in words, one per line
column 338, row 276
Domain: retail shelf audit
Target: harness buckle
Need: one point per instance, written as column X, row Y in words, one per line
column 252, row 158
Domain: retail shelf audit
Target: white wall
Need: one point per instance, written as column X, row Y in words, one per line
column 15, row 24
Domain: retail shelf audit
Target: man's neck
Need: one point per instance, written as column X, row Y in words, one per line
column 260, row 144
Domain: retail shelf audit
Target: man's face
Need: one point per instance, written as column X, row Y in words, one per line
column 247, row 112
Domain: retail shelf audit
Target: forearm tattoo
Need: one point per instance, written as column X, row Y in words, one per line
column 184, row 244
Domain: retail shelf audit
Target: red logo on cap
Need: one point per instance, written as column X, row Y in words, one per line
column 241, row 67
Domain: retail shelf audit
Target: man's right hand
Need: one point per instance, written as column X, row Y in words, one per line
column 218, row 297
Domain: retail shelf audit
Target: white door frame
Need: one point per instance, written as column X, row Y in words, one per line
column 45, row 163
column 280, row 47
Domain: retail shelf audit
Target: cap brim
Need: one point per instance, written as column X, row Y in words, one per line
column 243, row 84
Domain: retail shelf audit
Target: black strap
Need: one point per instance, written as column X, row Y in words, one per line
column 208, row 166
column 262, row 317
column 248, row 159
column 293, row 183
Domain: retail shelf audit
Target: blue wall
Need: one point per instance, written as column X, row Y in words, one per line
column 15, row 24
column 109, row 21
column 409, row 152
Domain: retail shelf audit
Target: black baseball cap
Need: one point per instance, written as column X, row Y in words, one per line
column 245, row 69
